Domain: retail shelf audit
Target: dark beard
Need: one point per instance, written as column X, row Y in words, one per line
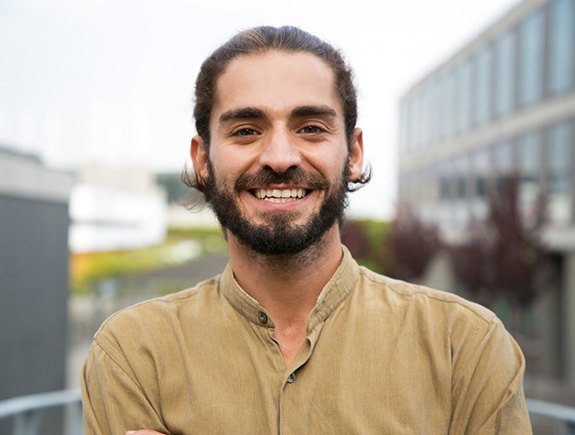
column 279, row 236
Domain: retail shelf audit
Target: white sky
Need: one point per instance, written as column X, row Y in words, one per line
column 112, row 80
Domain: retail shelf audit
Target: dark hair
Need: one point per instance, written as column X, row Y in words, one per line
column 260, row 40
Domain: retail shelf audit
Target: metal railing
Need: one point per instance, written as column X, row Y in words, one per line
column 562, row 413
column 27, row 411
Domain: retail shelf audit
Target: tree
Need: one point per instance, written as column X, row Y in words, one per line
column 503, row 255
column 412, row 245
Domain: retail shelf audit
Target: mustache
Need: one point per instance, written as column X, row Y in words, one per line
column 293, row 176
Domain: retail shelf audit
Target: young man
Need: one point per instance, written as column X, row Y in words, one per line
column 294, row 337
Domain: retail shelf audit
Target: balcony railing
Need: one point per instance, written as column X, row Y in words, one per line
column 562, row 413
column 27, row 410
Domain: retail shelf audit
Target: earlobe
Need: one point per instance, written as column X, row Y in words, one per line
column 356, row 155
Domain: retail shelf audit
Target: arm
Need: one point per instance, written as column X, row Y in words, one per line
column 488, row 396
column 113, row 398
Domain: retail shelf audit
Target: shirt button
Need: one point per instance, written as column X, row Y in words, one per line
column 262, row 317
column 291, row 378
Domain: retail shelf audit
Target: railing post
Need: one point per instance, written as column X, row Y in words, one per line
column 74, row 423
column 27, row 423
column 569, row 428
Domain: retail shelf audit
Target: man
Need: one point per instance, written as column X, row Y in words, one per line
column 294, row 337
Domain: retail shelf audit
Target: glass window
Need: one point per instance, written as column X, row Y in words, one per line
column 415, row 128
column 432, row 109
column 505, row 74
column 440, row 106
column 559, row 170
column 529, row 153
column 531, row 64
column 529, row 163
column 559, row 158
column 562, row 45
column 482, row 87
column 464, row 112
column 480, row 172
column 461, row 176
column 403, row 124
column 450, row 103
column 503, row 164
column 421, row 129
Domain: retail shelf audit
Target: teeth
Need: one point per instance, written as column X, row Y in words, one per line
column 279, row 195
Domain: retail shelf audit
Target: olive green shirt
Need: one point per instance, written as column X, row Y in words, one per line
column 381, row 357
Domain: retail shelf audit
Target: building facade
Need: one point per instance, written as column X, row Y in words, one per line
column 33, row 280
column 502, row 106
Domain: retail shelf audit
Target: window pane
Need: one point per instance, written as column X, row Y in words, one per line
column 505, row 52
column 483, row 86
column 531, row 67
column 529, row 162
column 465, row 100
column 559, row 158
column 561, row 35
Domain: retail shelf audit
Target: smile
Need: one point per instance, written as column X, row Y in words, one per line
column 279, row 195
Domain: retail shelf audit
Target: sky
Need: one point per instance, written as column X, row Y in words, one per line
column 111, row 81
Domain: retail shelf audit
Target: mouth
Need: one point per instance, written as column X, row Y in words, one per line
column 280, row 195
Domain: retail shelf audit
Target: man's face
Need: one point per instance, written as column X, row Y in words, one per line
column 278, row 160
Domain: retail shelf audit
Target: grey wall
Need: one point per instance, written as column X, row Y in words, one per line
column 33, row 297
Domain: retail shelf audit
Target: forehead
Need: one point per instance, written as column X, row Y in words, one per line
column 276, row 81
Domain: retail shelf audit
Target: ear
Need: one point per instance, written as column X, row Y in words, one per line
column 199, row 155
column 356, row 155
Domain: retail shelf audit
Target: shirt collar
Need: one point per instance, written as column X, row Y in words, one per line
column 335, row 291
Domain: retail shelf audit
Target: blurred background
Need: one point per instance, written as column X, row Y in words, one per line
column 468, row 112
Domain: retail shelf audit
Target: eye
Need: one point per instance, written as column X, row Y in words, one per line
column 312, row 129
column 245, row 132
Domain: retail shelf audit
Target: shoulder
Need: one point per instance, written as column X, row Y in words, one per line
column 154, row 316
column 402, row 295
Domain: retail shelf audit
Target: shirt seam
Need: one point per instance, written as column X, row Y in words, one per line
column 487, row 319
column 111, row 358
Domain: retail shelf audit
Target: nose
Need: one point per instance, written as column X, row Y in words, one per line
column 280, row 151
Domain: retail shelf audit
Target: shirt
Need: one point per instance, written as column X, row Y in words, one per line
column 381, row 357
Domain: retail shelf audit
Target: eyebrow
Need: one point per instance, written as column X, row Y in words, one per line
column 242, row 113
column 321, row 111
column 255, row 113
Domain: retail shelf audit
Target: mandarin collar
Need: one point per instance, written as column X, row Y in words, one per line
column 340, row 285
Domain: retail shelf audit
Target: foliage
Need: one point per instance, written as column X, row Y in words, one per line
column 366, row 240
column 412, row 245
column 503, row 255
column 179, row 246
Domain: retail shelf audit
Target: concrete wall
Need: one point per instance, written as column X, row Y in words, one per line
column 33, row 281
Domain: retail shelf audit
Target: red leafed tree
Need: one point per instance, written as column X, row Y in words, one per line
column 503, row 255
column 412, row 245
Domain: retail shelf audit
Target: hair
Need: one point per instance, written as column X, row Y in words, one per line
column 260, row 40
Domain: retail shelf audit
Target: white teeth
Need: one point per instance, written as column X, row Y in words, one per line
column 279, row 195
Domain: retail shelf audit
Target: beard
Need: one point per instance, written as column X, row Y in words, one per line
column 278, row 236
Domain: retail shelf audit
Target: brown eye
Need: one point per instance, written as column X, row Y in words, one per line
column 312, row 129
column 243, row 132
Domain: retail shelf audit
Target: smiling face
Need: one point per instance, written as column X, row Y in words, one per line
column 278, row 161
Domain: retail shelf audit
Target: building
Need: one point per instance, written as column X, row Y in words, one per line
column 115, row 207
column 33, row 279
column 504, row 104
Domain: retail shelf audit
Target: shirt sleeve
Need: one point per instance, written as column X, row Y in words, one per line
column 113, row 400
column 488, row 386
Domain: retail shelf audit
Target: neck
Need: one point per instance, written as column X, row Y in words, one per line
column 287, row 285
